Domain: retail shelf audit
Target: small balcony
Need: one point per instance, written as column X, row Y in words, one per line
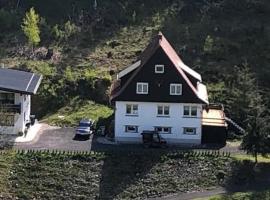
column 10, row 108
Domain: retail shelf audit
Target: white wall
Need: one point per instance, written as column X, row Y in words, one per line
column 147, row 119
column 20, row 120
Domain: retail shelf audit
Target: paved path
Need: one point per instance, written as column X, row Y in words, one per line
column 193, row 195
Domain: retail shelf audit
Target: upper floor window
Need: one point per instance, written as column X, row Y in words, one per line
column 132, row 109
column 142, row 88
column 163, row 110
column 189, row 131
column 7, row 98
column 190, row 111
column 159, row 69
column 175, row 89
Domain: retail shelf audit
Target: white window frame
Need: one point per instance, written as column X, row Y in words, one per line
column 143, row 85
column 157, row 71
column 133, row 112
column 186, row 132
column 190, row 107
column 173, row 86
column 163, row 111
column 162, row 129
column 130, row 131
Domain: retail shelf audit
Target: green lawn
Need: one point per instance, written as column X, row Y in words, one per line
column 262, row 195
column 70, row 114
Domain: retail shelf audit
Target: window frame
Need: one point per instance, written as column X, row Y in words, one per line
column 185, row 132
column 162, row 129
column 163, row 111
column 142, row 84
column 132, row 110
column 190, row 111
column 129, row 131
column 159, row 72
column 175, row 85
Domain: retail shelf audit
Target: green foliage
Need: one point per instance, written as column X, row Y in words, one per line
column 63, row 33
column 79, row 109
column 208, row 44
column 30, row 27
column 8, row 20
column 241, row 93
column 256, row 140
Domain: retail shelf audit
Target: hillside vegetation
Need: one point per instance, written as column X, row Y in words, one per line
column 84, row 44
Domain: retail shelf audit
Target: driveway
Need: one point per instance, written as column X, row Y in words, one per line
column 50, row 137
column 57, row 138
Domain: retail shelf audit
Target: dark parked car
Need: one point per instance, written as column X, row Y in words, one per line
column 153, row 139
column 85, row 127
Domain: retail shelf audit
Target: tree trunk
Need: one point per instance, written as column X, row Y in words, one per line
column 256, row 158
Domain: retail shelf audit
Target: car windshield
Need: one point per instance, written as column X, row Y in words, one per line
column 84, row 125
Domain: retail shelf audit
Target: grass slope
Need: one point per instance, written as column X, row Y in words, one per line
column 72, row 113
column 110, row 176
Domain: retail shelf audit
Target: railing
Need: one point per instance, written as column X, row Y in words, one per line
column 9, row 108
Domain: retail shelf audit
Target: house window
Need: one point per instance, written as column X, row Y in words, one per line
column 163, row 110
column 190, row 111
column 175, row 89
column 131, row 129
column 142, row 88
column 159, row 69
column 163, row 130
column 131, row 109
column 189, row 131
column 7, row 98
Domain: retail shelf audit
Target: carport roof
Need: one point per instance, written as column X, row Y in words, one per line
column 19, row 81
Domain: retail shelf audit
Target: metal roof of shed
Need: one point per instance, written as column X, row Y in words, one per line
column 19, row 81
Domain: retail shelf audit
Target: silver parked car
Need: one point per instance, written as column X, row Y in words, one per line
column 85, row 127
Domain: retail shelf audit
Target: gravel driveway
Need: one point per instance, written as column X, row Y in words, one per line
column 57, row 138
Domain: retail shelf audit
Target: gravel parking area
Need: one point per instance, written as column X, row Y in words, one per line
column 57, row 138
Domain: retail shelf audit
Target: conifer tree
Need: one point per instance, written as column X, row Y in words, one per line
column 256, row 140
column 30, row 27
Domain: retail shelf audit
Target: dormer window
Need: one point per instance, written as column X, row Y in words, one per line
column 142, row 88
column 159, row 69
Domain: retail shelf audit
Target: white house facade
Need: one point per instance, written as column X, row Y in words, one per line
column 16, row 88
column 175, row 125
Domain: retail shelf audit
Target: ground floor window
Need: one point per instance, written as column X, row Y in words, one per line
column 7, row 120
column 163, row 130
column 189, row 131
column 131, row 129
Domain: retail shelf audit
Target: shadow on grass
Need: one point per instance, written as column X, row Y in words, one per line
column 122, row 170
column 245, row 176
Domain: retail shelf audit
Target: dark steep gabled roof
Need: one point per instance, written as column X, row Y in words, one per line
column 19, row 81
column 159, row 41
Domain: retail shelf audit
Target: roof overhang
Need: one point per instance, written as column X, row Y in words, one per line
column 129, row 69
column 19, row 81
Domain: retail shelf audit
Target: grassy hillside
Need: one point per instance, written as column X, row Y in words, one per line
column 124, row 175
column 90, row 44
column 106, row 176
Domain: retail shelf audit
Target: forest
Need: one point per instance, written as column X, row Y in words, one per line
column 83, row 44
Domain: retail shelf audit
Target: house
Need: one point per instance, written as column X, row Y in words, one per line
column 16, row 88
column 159, row 92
